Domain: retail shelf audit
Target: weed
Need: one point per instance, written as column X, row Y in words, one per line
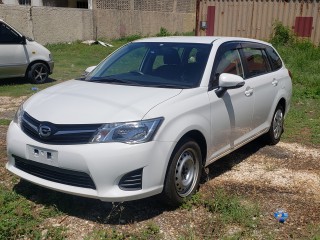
column 19, row 218
column 151, row 231
column 195, row 200
column 4, row 122
column 232, row 210
column 163, row 32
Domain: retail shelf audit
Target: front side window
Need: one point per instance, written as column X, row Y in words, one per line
column 257, row 61
column 8, row 36
column 171, row 65
column 228, row 61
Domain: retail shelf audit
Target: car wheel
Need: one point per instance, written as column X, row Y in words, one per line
column 38, row 73
column 276, row 128
column 183, row 174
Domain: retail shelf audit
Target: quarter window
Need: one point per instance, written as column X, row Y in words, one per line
column 275, row 60
column 257, row 61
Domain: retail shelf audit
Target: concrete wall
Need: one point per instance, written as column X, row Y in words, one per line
column 54, row 25
column 50, row 25
column 117, row 23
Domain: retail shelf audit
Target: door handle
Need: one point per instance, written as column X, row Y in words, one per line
column 274, row 82
column 248, row 92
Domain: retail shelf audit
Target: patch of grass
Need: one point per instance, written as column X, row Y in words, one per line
column 4, row 122
column 303, row 121
column 232, row 216
column 151, row 231
column 20, row 218
column 232, row 209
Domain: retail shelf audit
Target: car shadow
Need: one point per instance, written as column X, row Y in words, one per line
column 227, row 162
column 21, row 81
column 126, row 212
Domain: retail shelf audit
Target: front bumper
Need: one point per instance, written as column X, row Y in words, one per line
column 105, row 163
column 51, row 66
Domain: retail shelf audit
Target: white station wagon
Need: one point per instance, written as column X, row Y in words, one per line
column 150, row 117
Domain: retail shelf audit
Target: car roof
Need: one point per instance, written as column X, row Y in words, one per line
column 198, row 39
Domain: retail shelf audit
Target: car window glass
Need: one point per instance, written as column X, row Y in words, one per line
column 230, row 63
column 155, row 64
column 257, row 62
column 167, row 56
column 127, row 63
column 7, row 35
column 275, row 60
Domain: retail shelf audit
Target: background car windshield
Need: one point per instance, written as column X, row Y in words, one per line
column 176, row 65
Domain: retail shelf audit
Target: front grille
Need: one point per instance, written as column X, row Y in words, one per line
column 59, row 133
column 131, row 181
column 54, row 174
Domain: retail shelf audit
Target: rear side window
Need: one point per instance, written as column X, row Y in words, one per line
column 257, row 61
column 275, row 60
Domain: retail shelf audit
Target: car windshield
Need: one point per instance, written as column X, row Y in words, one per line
column 154, row 64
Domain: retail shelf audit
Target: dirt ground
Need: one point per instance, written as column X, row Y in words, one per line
column 285, row 176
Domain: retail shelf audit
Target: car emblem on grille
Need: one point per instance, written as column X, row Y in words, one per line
column 44, row 131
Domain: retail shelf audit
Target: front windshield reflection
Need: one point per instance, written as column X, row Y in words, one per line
column 168, row 65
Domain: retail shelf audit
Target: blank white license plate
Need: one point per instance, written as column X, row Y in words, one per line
column 42, row 155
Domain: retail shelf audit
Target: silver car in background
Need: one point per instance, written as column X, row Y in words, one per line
column 23, row 57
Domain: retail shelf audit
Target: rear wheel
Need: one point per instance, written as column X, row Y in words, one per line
column 38, row 73
column 276, row 129
column 183, row 174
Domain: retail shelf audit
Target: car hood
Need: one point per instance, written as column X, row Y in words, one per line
column 81, row 102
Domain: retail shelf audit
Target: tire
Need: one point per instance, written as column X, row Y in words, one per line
column 273, row 136
column 38, row 73
column 183, row 173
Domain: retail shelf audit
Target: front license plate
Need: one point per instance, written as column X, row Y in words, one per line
column 42, row 155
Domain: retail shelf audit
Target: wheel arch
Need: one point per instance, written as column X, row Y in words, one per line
column 34, row 62
column 199, row 138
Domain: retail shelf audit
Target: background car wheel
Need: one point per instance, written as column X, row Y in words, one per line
column 183, row 174
column 38, row 73
column 276, row 129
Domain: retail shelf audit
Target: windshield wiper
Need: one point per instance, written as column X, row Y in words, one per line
column 169, row 86
column 115, row 81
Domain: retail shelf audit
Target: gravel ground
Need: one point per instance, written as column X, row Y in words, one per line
column 284, row 176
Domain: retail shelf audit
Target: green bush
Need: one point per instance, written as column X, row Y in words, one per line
column 163, row 32
column 282, row 35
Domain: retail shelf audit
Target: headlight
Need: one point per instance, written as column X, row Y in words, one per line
column 130, row 132
column 18, row 117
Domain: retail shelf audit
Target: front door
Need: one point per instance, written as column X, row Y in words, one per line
column 231, row 115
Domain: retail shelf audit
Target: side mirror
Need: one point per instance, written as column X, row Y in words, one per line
column 88, row 70
column 23, row 40
column 228, row 81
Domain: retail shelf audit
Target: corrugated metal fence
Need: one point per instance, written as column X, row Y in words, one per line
column 255, row 18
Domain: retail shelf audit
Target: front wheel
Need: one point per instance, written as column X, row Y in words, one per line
column 276, row 129
column 38, row 73
column 183, row 173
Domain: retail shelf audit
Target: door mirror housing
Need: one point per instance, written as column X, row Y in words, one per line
column 23, row 40
column 228, row 81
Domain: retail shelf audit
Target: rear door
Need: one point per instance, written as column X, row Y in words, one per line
column 13, row 53
column 263, row 81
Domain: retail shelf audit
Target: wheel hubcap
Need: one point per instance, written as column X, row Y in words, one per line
column 277, row 124
column 186, row 172
column 40, row 73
